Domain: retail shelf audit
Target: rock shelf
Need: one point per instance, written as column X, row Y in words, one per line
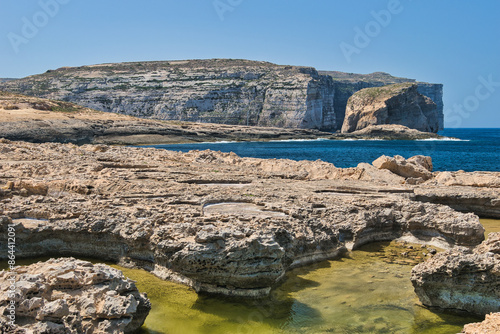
column 140, row 207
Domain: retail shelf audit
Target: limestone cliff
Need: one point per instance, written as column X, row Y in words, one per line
column 210, row 91
column 346, row 84
column 391, row 104
column 224, row 91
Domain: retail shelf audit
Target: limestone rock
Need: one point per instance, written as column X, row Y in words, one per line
column 415, row 167
column 157, row 210
column 462, row 279
column 393, row 104
column 71, row 296
column 224, row 91
column 477, row 192
column 491, row 325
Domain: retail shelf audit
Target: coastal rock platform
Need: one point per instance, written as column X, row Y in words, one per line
column 214, row 221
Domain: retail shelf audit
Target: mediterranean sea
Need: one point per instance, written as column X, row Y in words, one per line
column 461, row 149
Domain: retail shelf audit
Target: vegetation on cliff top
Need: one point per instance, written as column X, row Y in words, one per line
column 383, row 92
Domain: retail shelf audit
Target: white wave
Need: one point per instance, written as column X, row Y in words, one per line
column 443, row 139
column 362, row 139
column 296, row 140
column 214, row 142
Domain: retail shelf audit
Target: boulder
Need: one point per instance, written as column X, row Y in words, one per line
column 417, row 167
column 462, row 279
column 71, row 296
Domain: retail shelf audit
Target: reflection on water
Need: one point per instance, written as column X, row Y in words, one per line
column 369, row 291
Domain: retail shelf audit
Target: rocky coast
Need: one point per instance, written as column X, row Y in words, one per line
column 224, row 224
column 214, row 221
column 41, row 120
column 221, row 91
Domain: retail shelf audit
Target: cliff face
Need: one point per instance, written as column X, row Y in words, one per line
column 215, row 91
column 393, row 104
column 346, row 84
column 223, row 91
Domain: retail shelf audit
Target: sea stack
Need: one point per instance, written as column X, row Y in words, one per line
column 392, row 104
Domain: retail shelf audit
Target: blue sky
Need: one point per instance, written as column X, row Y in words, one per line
column 454, row 42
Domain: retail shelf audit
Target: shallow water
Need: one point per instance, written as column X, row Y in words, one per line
column 367, row 292
column 359, row 294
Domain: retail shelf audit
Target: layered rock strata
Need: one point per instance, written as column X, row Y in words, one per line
column 223, row 91
column 41, row 120
column 211, row 220
column 393, row 104
column 462, row 279
column 72, row 296
column 477, row 192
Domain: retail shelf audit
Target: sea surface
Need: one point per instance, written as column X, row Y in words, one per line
column 462, row 149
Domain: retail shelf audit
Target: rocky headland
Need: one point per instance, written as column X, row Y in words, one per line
column 392, row 104
column 221, row 91
column 214, row 221
column 346, row 84
column 71, row 296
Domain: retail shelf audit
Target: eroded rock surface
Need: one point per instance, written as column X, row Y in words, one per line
column 462, row 279
column 71, row 296
column 477, row 192
column 150, row 208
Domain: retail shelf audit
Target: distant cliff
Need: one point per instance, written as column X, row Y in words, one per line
column 224, row 91
column 346, row 84
column 391, row 104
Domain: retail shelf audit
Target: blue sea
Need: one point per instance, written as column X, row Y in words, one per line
column 472, row 150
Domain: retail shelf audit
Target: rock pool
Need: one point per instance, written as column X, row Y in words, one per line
column 368, row 291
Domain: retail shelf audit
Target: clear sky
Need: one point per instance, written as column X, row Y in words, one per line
column 454, row 42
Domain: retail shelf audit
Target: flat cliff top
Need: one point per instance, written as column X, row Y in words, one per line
column 384, row 92
column 171, row 65
column 379, row 77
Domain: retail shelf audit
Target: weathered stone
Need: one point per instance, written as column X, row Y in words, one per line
column 346, row 84
column 72, row 296
column 71, row 123
column 462, row 279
